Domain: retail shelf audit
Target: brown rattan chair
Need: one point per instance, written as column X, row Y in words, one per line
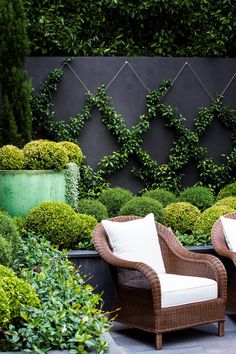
column 228, row 257
column 138, row 293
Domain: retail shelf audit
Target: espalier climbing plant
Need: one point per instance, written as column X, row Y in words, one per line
column 186, row 147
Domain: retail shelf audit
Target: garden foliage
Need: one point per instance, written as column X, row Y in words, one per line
column 132, row 28
column 181, row 216
column 92, row 207
column 9, row 239
column 70, row 315
column 200, row 196
column 114, row 199
column 141, row 206
column 162, row 195
column 60, row 224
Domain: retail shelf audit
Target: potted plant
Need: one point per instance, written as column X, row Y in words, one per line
column 42, row 170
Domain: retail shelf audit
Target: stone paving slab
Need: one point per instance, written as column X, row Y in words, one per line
column 198, row 340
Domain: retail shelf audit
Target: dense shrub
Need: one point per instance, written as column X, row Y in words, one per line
column 19, row 293
column 19, row 221
column 201, row 197
column 116, row 28
column 181, row 216
column 229, row 201
column 56, row 221
column 114, row 199
column 74, row 152
column 85, row 225
column 92, row 207
column 11, row 158
column 9, row 232
column 4, row 309
column 70, row 316
column 6, row 272
column 61, row 225
column 45, row 155
column 205, row 222
column 162, row 195
column 6, row 251
column 141, row 206
column 227, row 191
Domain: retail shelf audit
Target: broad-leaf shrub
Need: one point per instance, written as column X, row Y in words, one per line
column 181, row 216
column 164, row 196
column 92, row 207
column 227, row 191
column 141, row 206
column 45, row 155
column 205, row 222
column 70, row 316
column 11, row 158
column 114, row 199
column 201, row 197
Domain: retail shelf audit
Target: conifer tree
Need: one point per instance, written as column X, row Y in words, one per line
column 15, row 111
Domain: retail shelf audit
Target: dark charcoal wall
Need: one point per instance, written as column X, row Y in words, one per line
column 193, row 87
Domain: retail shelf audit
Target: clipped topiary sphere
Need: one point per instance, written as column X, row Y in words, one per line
column 5, row 314
column 19, row 293
column 74, row 152
column 227, row 191
column 229, row 201
column 6, row 251
column 162, row 195
column 205, row 222
column 11, row 158
column 114, row 199
column 9, row 232
column 141, row 206
column 56, row 221
column 92, row 207
column 45, row 155
column 85, row 226
column 181, row 216
column 201, row 197
column 6, row 272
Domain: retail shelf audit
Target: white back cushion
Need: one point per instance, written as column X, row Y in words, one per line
column 136, row 240
column 229, row 229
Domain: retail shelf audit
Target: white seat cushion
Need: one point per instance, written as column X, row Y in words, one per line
column 229, row 229
column 180, row 289
column 136, row 240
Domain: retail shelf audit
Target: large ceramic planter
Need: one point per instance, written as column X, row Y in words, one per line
column 90, row 264
column 21, row 190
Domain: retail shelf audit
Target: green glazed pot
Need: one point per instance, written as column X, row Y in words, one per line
column 21, row 190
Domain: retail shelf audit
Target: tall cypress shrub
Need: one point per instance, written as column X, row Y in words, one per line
column 15, row 111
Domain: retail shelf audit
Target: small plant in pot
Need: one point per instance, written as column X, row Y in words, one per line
column 45, row 169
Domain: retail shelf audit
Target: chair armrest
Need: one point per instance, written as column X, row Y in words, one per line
column 185, row 262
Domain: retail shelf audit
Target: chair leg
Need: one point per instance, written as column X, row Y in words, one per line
column 158, row 341
column 221, row 328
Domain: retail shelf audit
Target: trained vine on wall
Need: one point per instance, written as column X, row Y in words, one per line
column 186, row 147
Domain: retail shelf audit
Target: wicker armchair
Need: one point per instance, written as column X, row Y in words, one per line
column 228, row 257
column 137, row 287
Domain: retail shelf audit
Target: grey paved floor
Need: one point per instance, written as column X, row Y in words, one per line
column 199, row 340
